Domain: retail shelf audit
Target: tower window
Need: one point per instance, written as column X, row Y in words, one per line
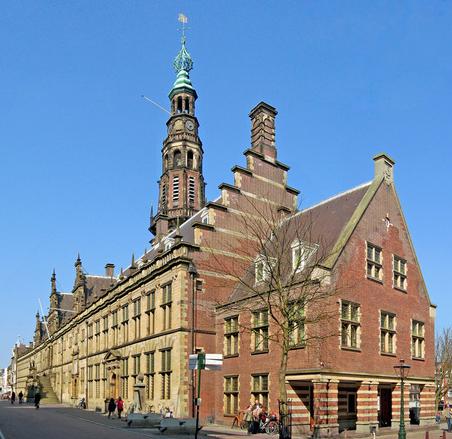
column 190, row 159
column 175, row 189
column 164, row 195
column 177, row 160
column 191, row 190
column 179, row 104
column 187, row 106
column 166, row 162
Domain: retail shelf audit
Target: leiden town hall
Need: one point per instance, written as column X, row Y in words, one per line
column 180, row 298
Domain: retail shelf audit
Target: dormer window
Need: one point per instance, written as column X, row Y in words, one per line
column 205, row 217
column 169, row 242
column 301, row 252
column 262, row 268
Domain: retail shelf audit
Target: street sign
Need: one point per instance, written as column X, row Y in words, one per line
column 211, row 361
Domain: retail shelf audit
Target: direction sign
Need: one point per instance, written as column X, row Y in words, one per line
column 211, row 362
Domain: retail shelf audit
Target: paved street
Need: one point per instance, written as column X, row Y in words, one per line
column 57, row 422
column 24, row 421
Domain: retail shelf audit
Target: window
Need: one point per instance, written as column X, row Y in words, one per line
column 97, row 332
column 417, row 339
column 387, row 333
column 350, row 325
column 175, row 189
column 374, row 262
column 137, row 317
column 114, row 327
column 177, row 159
column 150, row 312
column 260, row 331
column 125, row 323
column 191, row 191
column 231, row 395
column 97, row 379
column 399, row 273
column 262, row 270
column 296, row 326
column 136, row 364
column 301, row 252
column 260, row 389
column 190, row 159
column 205, row 217
column 166, row 374
column 166, row 306
column 164, row 196
column 150, row 375
column 105, row 332
column 231, row 336
column 125, row 378
column 169, row 242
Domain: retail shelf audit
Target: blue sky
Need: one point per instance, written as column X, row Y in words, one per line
column 80, row 149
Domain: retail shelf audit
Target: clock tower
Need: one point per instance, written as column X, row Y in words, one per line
column 181, row 186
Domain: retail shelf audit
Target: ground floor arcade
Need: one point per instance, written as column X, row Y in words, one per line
column 335, row 403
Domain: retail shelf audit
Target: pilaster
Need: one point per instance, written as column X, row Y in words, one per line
column 367, row 406
column 427, row 400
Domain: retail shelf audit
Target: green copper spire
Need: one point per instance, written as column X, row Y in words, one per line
column 183, row 59
column 182, row 65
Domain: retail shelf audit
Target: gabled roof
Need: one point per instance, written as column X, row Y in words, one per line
column 324, row 222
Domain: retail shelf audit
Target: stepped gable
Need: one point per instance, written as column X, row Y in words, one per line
column 325, row 220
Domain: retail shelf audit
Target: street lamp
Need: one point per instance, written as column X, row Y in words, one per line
column 402, row 370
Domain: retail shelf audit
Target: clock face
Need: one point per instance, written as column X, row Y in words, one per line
column 189, row 125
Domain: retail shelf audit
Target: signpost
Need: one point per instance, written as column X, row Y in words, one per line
column 199, row 362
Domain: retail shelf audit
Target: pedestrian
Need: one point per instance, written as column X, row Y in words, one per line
column 37, row 399
column 111, row 407
column 13, row 397
column 248, row 418
column 120, row 406
column 257, row 410
column 21, row 397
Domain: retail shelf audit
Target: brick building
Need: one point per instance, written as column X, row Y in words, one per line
column 177, row 298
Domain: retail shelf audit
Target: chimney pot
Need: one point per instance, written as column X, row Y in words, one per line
column 109, row 270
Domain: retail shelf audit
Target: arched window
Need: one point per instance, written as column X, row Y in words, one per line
column 187, row 105
column 166, row 162
column 179, row 104
column 190, row 159
column 177, row 159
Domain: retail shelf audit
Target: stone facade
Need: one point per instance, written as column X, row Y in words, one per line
column 176, row 298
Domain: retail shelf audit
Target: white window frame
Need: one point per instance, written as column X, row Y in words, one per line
column 307, row 250
column 263, row 261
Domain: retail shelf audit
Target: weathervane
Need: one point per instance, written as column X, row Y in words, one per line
column 184, row 20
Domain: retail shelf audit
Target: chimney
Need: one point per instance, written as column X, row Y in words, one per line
column 263, row 130
column 110, row 270
column 384, row 167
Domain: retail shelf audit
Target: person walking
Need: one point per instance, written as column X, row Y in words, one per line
column 111, row 407
column 37, row 399
column 13, row 397
column 21, row 397
column 120, row 406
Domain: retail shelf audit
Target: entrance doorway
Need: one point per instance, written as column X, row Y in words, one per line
column 385, row 406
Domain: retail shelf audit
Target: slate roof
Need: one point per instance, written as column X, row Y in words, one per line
column 323, row 223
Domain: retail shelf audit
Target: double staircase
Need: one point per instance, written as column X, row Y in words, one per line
column 48, row 396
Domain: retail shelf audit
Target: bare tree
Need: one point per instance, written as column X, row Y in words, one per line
column 279, row 266
column 443, row 359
